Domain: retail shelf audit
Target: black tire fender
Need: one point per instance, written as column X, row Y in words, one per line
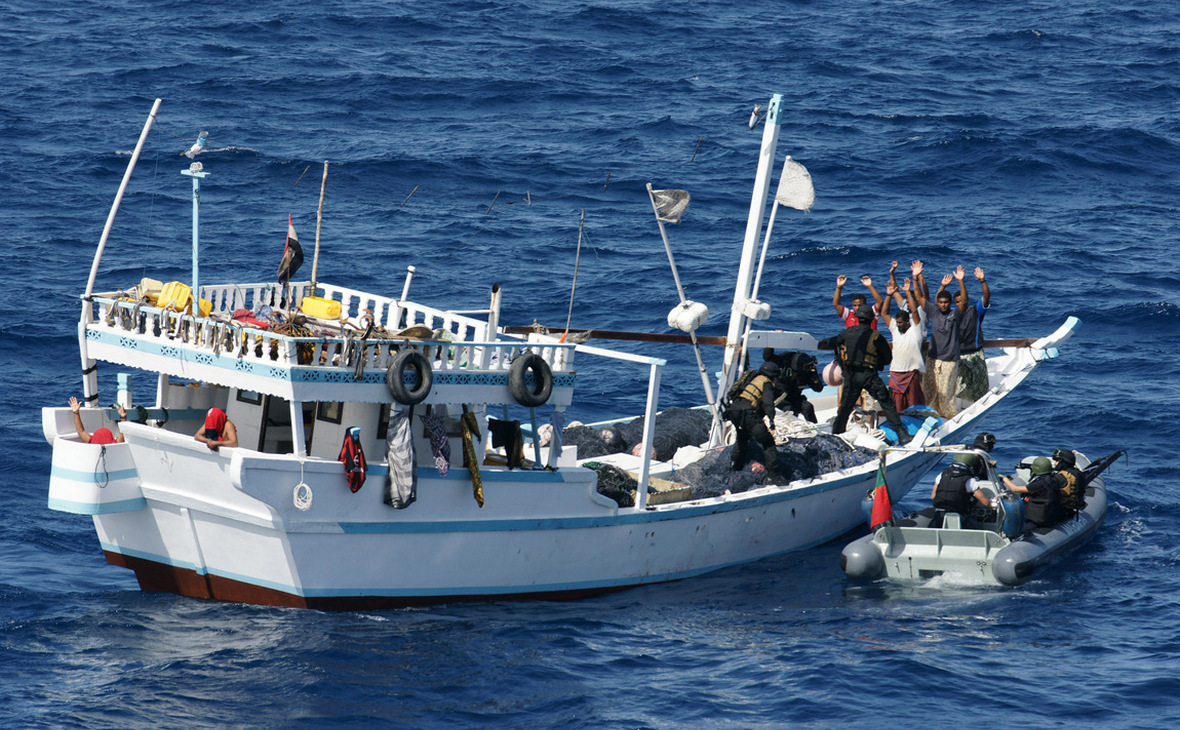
column 542, row 387
column 405, row 361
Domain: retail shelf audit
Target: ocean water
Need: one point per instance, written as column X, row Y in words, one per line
column 1036, row 140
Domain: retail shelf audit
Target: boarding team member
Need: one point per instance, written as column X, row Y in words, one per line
column 956, row 486
column 863, row 353
column 753, row 414
column 798, row 371
column 1043, row 507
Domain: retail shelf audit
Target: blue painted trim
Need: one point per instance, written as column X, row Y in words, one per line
column 96, row 508
column 90, row 477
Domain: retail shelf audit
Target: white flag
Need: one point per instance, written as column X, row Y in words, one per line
column 670, row 204
column 794, row 186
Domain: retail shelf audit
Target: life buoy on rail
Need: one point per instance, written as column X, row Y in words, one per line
column 405, row 361
column 542, row 380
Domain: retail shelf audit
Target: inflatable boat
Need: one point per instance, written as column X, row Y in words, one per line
column 988, row 545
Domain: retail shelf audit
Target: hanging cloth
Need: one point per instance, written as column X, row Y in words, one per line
column 440, row 446
column 470, row 426
column 401, row 485
column 353, row 457
column 508, row 435
column 557, row 420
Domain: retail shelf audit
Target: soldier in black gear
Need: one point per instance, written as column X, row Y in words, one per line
column 1043, row 507
column 798, row 372
column 1070, row 483
column 984, row 442
column 750, row 412
column 956, row 485
column 862, row 353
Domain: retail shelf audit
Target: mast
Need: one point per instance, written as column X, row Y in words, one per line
column 743, row 309
column 89, row 375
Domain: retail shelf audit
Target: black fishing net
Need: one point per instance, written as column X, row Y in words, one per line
column 712, row 475
column 675, row 427
column 615, row 483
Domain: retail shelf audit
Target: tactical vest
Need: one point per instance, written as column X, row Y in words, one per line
column 1073, row 494
column 1044, row 505
column 865, row 351
column 753, row 391
column 951, row 492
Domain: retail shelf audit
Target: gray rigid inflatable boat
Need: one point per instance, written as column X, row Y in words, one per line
column 990, row 548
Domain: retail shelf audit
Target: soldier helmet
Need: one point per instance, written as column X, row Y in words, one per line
column 1040, row 466
column 1065, row 457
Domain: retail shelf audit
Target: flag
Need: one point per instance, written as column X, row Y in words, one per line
column 795, row 189
column 292, row 255
column 882, row 507
column 670, row 204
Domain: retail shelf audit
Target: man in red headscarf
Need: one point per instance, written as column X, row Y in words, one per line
column 101, row 435
column 218, row 430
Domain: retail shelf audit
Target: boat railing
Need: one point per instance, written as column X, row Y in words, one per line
column 464, row 348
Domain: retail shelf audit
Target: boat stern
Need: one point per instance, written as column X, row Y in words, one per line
column 89, row 479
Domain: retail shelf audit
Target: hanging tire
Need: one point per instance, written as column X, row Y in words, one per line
column 542, row 387
column 405, row 361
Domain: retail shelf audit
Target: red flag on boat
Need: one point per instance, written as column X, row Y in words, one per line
column 882, row 507
column 292, row 254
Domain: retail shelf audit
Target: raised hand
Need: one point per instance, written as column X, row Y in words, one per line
column 866, row 280
column 947, row 279
column 960, row 273
column 841, row 280
column 979, row 273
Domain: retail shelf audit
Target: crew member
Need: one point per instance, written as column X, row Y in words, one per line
column 942, row 321
column 1070, row 483
column 984, row 442
column 862, row 354
column 798, row 371
column 956, row 486
column 858, row 300
column 218, row 430
column 753, row 414
column 101, row 435
column 908, row 332
column 1044, row 500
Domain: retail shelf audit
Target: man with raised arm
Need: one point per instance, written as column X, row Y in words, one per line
column 972, row 366
column 942, row 360
column 908, row 332
column 858, row 299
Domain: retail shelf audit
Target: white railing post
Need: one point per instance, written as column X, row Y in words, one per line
column 649, row 431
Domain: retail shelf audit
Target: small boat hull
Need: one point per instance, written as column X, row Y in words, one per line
column 912, row 550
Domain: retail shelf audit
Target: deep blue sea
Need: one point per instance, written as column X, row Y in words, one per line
column 1038, row 140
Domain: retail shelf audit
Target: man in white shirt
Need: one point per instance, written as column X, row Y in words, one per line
column 908, row 331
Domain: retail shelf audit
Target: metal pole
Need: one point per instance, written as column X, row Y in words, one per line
column 195, row 171
column 319, row 219
column 106, row 231
column 649, row 431
column 89, row 372
column 741, row 292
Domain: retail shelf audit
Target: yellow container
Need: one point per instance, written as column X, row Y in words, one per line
column 320, row 308
column 178, row 296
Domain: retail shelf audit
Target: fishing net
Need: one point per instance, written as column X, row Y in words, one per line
column 675, row 427
column 615, row 483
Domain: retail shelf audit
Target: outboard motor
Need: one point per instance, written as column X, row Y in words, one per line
column 866, row 506
column 1013, row 505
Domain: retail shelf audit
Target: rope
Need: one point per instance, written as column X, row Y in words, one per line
column 301, row 496
column 577, row 258
column 105, row 479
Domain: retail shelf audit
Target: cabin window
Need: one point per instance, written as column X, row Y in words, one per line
column 332, row 412
column 254, row 398
column 274, row 434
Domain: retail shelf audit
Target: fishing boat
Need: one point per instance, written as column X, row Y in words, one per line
column 993, row 546
column 377, row 385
